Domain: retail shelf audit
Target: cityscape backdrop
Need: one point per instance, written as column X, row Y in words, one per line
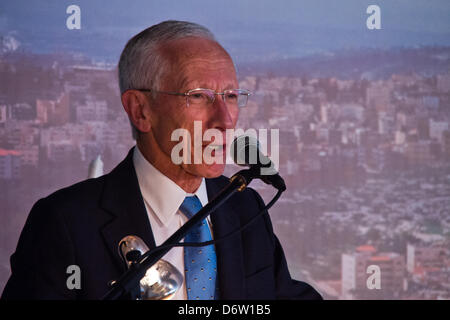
column 363, row 117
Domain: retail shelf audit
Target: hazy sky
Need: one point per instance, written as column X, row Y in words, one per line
column 283, row 27
column 414, row 15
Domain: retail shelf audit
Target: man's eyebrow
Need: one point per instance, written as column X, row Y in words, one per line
column 187, row 85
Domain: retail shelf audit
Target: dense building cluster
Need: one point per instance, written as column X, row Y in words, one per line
column 366, row 164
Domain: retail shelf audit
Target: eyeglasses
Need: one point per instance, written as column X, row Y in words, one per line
column 201, row 97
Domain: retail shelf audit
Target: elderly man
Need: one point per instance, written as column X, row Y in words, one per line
column 171, row 75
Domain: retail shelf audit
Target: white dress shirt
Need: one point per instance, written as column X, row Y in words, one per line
column 162, row 198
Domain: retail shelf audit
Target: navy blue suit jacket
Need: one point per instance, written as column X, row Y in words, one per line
column 83, row 224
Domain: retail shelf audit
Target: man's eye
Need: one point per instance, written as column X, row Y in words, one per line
column 199, row 96
column 231, row 96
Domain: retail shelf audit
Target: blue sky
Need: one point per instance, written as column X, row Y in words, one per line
column 266, row 28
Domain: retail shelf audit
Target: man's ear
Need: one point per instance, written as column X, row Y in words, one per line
column 137, row 106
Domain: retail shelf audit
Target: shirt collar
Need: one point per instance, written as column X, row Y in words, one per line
column 201, row 193
column 162, row 194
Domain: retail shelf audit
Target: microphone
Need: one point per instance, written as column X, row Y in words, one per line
column 245, row 151
column 131, row 248
column 161, row 281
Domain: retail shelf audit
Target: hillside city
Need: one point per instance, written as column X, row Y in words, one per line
column 366, row 163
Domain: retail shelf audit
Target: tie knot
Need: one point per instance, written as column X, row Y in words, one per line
column 190, row 206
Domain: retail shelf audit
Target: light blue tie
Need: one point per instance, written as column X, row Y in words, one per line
column 200, row 264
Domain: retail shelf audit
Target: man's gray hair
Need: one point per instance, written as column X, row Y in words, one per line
column 141, row 65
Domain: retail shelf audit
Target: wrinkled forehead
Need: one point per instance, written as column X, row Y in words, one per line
column 191, row 48
column 181, row 53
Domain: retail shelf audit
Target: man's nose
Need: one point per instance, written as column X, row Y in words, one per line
column 222, row 114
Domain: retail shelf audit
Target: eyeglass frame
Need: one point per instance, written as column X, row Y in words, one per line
column 187, row 93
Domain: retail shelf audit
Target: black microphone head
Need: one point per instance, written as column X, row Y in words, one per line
column 245, row 150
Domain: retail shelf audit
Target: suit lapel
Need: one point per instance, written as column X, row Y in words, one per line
column 229, row 252
column 123, row 200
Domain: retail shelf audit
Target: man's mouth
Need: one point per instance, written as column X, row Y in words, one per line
column 215, row 149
